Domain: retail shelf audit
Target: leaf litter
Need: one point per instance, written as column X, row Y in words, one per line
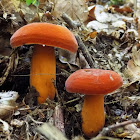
column 105, row 43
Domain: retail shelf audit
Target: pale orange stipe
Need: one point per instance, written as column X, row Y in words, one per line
column 43, row 72
column 93, row 118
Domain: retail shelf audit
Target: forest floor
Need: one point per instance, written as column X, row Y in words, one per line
column 108, row 38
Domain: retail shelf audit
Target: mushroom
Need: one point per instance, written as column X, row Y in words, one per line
column 45, row 36
column 94, row 83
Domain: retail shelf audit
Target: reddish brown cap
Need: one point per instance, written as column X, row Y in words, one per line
column 93, row 81
column 44, row 33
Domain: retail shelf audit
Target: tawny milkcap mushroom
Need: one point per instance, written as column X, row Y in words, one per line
column 94, row 83
column 45, row 36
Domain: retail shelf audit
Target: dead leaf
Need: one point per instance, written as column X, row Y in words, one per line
column 136, row 56
column 70, row 58
column 132, row 131
column 115, row 28
column 29, row 13
column 102, row 15
column 67, row 57
column 51, row 132
column 17, row 123
column 6, row 97
column 91, row 14
column 93, row 34
column 136, row 135
column 5, row 127
column 76, row 9
column 7, row 103
column 8, row 6
column 133, row 66
column 13, row 62
column 122, row 9
column 6, row 111
column 134, row 99
column 134, row 70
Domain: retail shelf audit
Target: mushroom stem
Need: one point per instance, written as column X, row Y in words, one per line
column 43, row 72
column 93, row 114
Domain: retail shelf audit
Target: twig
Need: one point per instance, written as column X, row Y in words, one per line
column 85, row 51
column 114, row 126
column 72, row 24
column 56, row 91
column 135, row 5
column 104, row 138
column 27, row 130
column 12, row 61
column 83, row 48
column 36, row 122
column 71, row 101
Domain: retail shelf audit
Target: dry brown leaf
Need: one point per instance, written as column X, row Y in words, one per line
column 135, row 70
column 93, row 34
column 7, row 103
column 132, row 130
column 4, row 127
column 43, row 4
column 122, row 9
column 91, row 13
column 71, row 58
column 13, row 62
column 17, row 123
column 102, row 15
column 51, row 132
column 133, row 66
column 67, row 57
column 29, row 13
column 19, row 10
column 8, row 6
column 136, row 56
column 76, row 9
column 6, row 111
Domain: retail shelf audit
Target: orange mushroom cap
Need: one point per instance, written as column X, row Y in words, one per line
column 93, row 81
column 44, row 33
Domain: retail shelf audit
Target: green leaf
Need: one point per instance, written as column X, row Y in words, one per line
column 28, row 2
column 35, row 2
column 116, row 2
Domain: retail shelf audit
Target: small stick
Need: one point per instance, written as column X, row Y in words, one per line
column 72, row 24
column 82, row 47
column 85, row 52
column 71, row 101
column 104, row 138
column 135, row 5
column 13, row 61
column 114, row 126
